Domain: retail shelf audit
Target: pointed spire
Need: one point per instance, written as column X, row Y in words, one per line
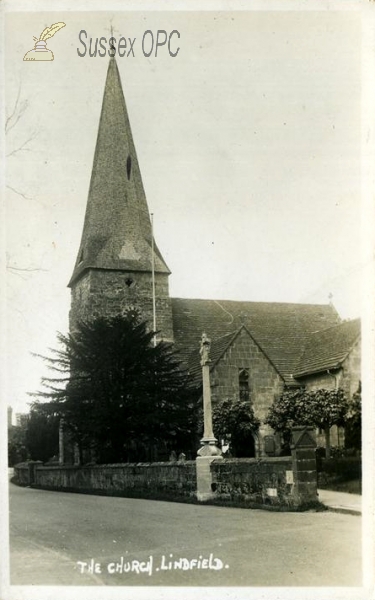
column 117, row 230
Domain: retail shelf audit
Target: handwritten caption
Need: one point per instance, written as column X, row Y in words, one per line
column 150, row 566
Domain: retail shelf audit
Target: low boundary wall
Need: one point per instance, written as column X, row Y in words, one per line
column 289, row 482
column 257, row 481
column 175, row 479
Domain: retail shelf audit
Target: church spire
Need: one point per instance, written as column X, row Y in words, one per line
column 117, row 233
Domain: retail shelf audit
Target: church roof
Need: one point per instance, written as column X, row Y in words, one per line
column 117, row 231
column 218, row 348
column 282, row 330
column 328, row 349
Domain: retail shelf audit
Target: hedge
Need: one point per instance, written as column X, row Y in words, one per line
column 341, row 469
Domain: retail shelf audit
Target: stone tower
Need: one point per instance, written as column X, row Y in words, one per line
column 113, row 270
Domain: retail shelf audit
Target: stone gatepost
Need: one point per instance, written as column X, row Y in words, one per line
column 304, row 464
column 209, row 450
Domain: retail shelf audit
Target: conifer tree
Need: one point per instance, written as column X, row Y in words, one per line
column 42, row 435
column 118, row 393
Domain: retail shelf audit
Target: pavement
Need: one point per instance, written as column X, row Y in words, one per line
column 341, row 502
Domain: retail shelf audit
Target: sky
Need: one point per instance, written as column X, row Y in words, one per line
column 249, row 144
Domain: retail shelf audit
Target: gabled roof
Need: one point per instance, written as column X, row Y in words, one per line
column 218, row 349
column 328, row 349
column 280, row 329
column 117, row 229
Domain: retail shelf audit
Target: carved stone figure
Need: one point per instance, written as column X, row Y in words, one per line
column 205, row 349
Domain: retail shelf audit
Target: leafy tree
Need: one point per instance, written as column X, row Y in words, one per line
column 286, row 411
column 118, row 394
column 320, row 408
column 353, row 427
column 42, row 435
column 234, row 420
column 17, row 451
column 327, row 408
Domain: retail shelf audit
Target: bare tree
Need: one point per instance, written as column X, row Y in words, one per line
column 12, row 120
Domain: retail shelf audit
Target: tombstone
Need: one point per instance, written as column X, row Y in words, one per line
column 269, row 445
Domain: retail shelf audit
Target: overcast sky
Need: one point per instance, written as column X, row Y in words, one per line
column 249, row 148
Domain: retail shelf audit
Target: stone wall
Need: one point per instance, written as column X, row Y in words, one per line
column 347, row 377
column 284, row 481
column 336, row 436
column 319, row 381
column 259, row 481
column 22, row 475
column 177, row 479
column 265, row 384
column 351, row 371
column 246, row 481
column 106, row 293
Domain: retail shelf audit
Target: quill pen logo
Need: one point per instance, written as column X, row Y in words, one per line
column 40, row 51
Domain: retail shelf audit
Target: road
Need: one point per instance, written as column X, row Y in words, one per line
column 73, row 539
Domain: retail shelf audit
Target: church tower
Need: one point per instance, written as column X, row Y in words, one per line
column 117, row 257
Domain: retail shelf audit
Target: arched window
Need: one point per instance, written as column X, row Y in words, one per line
column 243, row 384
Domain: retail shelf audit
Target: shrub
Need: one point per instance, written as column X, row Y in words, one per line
column 342, row 469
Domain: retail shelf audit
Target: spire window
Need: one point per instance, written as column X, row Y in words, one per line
column 129, row 166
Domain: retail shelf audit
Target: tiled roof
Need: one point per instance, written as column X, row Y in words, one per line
column 327, row 349
column 117, row 229
column 280, row 329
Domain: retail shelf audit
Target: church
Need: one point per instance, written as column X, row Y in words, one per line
column 258, row 349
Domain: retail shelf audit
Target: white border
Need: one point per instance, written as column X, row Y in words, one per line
column 367, row 9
